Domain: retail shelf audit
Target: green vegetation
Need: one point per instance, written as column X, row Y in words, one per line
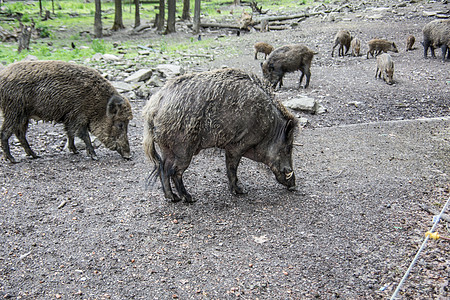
column 72, row 19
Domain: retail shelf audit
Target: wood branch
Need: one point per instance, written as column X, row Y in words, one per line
column 7, row 36
column 209, row 56
column 217, row 25
column 291, row 17
column 435, row 212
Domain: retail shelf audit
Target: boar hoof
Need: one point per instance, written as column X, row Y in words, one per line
column 238, row 190
column 188, row 199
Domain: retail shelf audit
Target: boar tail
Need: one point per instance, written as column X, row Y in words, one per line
column 152, row 154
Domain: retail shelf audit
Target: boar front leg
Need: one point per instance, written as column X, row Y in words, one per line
column 83, row 134
column 232, row 162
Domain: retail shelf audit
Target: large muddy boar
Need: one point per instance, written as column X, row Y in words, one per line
column 343, row 39
column 227, row 109
column 77, row 96
column 289, row 58
column 436, row 34
column 385, row 68
column 376, row 46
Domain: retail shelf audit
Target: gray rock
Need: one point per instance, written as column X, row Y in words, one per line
column 305, row 104
column 141, row 75
column 155, row 81
column 170, row 70
column 122, row 86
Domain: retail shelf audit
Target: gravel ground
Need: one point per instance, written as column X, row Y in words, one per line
column 72, row 228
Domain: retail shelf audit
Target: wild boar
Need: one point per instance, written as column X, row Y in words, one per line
column 227, row 109
column 436, row 34
column 385, row 68
column 376, row 46
column 343, row 39
column 356, row 47
column 74, row 95
column 285, row 59
column 263, row 48
column 410, row 42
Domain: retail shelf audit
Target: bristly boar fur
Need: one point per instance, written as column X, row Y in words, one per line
column 343, row 39
column 263, row 48
column 356, row 47
column 436, row 34
column 289, row 58
column 75, row 95
column 376, row 46
column 227, row 109
column 410, row 40
column 385, row 68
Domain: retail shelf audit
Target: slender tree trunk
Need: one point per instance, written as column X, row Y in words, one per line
column 171, row 16
column 118, row 21
column 186, row 10
column 197, row 16
column 40, row 8
column 161, row 16
column 98, row 28
column 137, row 16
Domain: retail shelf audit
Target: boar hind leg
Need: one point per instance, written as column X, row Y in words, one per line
column 70, row 140
column 306, row 73
column 5, row 135
column 232, row 161
column 20, row 133
column 177, row 179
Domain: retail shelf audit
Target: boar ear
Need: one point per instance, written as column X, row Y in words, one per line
column 114, row 105
column 289, row 129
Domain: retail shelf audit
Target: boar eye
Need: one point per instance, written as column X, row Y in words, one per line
column 120, row 125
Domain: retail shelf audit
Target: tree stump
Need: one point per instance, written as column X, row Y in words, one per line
column 25, row 36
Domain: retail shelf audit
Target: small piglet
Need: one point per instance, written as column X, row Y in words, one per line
column 410, row 42
column 356, row 47
column 385, row 68
column 263, row 48
column 376, row 46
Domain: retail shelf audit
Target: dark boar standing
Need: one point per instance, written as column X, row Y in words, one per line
column 289, row 58
column 343, row 39
column 410, row 42
column 227, row 109
column 436, row 34
column 77, row 96
column 376, row 46
column 385, row 68
column 263, row 48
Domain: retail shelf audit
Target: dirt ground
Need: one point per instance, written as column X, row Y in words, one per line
column 73, row 228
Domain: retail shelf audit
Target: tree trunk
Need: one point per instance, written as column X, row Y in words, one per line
column 118, row 21
column 197, row 16
column 171, row 16
column 137, row 16
column 161, row 16
column 40, row 8
column 98, row 28
column 186, row 10
column 237, row 2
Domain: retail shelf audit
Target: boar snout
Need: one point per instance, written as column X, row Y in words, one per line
column 286, row 177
